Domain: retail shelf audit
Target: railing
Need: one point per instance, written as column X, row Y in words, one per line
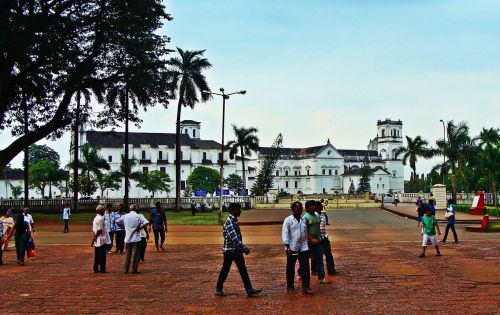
column 462, row 198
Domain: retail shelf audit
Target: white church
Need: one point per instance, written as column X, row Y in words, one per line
column 311, row 170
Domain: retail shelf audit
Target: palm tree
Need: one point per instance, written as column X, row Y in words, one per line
column 126, row 170
column 246, row 142
column 92, row 164
column 188, row 82
column 489, row 143
column 415, row 148
column 457, row 149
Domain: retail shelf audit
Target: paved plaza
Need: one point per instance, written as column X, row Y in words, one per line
column 376, row 251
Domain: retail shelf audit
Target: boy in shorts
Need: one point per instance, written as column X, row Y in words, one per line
column 429, row 226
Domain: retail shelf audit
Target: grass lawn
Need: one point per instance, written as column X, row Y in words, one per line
column 183, row 217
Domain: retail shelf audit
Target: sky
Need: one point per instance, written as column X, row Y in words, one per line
column 317, row 70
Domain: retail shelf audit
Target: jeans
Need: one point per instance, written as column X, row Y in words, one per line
column 66, row 226
column 327, row 251
column 159, row 234
column 316, row 253
column 100, row 258
column 133, row 249
column 21, row 246
column 303, row 258
column 144, row 244
column 120, row 241
column 452, row 226
column 238, row 258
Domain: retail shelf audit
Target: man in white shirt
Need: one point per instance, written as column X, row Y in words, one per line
column 66, row 214
column 29, row 219
column 132, row 223
column 294, row 235
column 100, row 241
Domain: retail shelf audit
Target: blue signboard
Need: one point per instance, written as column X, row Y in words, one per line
column 226, row 192
column 200, row 193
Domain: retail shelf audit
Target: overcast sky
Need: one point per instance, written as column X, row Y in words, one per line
column 329, row 69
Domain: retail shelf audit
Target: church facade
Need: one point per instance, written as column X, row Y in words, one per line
column 312, row 170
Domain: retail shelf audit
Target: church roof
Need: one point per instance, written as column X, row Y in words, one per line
column 107, row 139
column 192, row 122
column 357, row 171
column 293, row 152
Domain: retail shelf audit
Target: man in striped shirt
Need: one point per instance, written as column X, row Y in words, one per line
column 233, row 251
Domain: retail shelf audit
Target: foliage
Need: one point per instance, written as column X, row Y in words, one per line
column 132, row 175
column 37, row 153
column 110, row 181
column 246, row 142
column 352, row 189
column 233, row 182
column 283, row 193
column 265, row 177
column 154, row 181
column 51, row 49
column 91, row 166
column 204, row 178
column 44, row 173
column 415, row 148
column 16, row 190
column 188, row 192
column 364, row 180
column 188, row 81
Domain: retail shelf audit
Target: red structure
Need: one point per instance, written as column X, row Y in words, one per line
column 478, row 204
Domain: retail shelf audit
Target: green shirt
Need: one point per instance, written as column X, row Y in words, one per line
column 429, row 224
column 313, row 221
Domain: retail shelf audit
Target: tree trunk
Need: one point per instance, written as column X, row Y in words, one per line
column 414, row 181
column 243, row 167
column 26, row 156
column 126, row 162
column 454, row 187
column 75, row 153
column 88, row 183
column 178, row 156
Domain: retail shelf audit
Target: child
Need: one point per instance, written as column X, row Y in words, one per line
column 450, row 211
column 420, row 210
column 429, row 226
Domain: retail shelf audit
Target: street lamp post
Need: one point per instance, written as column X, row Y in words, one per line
column 444, row 139
column 224, row 98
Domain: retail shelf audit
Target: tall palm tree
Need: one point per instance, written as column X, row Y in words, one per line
column 415, row 148
column 126, row 170
column 92, row 164
column 457, row 148
column 489, row 144
column 188, row 82
column 246, row 142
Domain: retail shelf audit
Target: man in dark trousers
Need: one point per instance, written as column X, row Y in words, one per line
column 233, row 251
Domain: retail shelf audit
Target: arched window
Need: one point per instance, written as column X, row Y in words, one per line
column 329, row 172
column 383, row 133
column 336, row 172
column 286, row 173
column 185, row 131
column 194, row 133
column 277, row 173
column 324, row 172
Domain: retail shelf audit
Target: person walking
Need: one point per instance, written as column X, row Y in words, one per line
column 429, row 227
column 132, row 223
column 233, row 251
column 8, row 229
column 432, row 204
column 22, row 234
column 450, row 215
column 29, row 219
column 158, row 222
column 325, row 242
column 66, row 214
column 100, row 241
column 315, row 246
column 294, row 236
column 324, row 204
column 119, row 231
column 420, row 210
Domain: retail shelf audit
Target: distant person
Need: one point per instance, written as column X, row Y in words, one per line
column 133, row 224
column 294, row 235
column 233, row 251
column 324, row 204
column 450, row 215
column 325, row 242
column 118, row 230
column 66, row 214
column 420, row 210
column 209, row 207
column 100, row 241
column 432, row 204
column 8, row 228
column 22, row 234
column 193, row 207
column 158, row 223
column 315, row 247
column 429, row 227
column 109, row 223
column 29, row 219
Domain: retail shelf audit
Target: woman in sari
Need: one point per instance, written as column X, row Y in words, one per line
column 8, row 229
column 21, row 238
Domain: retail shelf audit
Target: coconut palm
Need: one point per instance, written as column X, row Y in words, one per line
column 415, row 148
column 126, row 170
column 489, row 143
column 188, row 84
column 246, row 142
column 92, row 164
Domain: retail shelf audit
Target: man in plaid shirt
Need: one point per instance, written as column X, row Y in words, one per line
column 233, row 251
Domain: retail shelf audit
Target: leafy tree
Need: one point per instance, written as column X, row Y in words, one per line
column 265, row 177
column 246, row 142
column 43, row 173
column 37, row 153
column 91, row 165
column 16, row 190
column 111, row 181
column 204, row 178
column 352, row 190
column 415, row 148
column 51, row 49
column 154, row 181
column 188, row 192
column 126, row 169
column 366, row 174
column 188, row 82
column 233, row 182
column 489, row 143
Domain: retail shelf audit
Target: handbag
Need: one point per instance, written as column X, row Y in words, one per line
column 31, row 252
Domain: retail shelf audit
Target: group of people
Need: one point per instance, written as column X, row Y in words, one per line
column 304, row 237
column 131, row 231
column 21, row 229
column 427, row 219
